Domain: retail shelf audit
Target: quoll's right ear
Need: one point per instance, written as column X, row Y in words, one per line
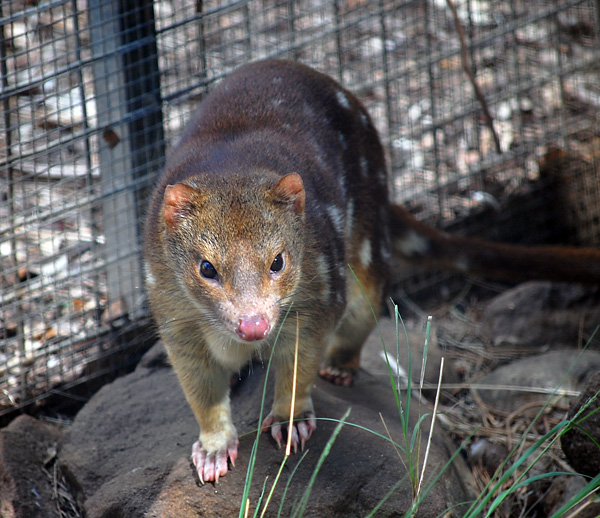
column 177, row 203
column 290, row 189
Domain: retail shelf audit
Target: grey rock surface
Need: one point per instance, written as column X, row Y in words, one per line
column 128, row 452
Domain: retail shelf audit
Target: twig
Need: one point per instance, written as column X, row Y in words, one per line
column 464, row 58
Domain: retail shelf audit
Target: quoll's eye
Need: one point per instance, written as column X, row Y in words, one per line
column 207, row 270
column 277, row 264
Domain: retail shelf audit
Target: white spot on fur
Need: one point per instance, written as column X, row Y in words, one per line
column 322, row 266
column 336, row 218
column 149, row 276
column 364, row 119
column 412, row 244
column 349, row 218
column 319, row 157
column 342, row 184
column 343, row 271
column 323, row 273
column 364, row 167
column 342, row 140
column 365, row 253
column 343, row 99
column 385, row 253
column 276, row 102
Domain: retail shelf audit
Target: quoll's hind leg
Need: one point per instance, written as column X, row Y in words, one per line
column 343, row 354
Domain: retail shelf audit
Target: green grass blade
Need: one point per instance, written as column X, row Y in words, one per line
column 500, row 498
column 425, row 349
column 254, row 452
column 368, row 430
column 376, row 317
column 270, row 496
column 485, row 496
column 404, row 416
column 386, row 497
column 287, row 485
column 260, row 498
column 478, row 506
column 299, row 511
column 438, row 476
column 590, row 487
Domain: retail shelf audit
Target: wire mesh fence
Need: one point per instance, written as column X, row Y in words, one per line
column 477, row 103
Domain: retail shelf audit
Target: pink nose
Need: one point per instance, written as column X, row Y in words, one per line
column 253, row 328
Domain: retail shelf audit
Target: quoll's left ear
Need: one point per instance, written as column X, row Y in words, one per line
column 177, row 203
column 290, row 189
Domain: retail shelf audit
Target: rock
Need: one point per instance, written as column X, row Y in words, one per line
column 397, row 350
column 128, row 452
column 561, row 491
column 487, row 455
column 536, row 314
column 26, row 489
column 580, row 444
column 546, row 371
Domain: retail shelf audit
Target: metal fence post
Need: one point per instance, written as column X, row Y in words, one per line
column 128, row 100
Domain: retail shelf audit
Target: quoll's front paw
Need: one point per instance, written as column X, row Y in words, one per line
column 210, row 454
column 301, row 430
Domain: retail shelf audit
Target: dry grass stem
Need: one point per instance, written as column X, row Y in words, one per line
column 433, row 418
column 288, row 446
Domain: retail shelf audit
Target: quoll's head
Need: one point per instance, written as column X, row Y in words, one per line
column 237, row 239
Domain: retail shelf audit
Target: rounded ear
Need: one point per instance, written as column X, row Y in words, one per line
column 290, row 189
column 177, row 202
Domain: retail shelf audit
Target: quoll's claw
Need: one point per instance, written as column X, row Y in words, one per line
column 294, row 441
column 301, row 430
column 276, row 430
column 305, row 429
column 211, row 466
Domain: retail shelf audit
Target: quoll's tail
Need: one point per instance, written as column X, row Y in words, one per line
column 422, row 245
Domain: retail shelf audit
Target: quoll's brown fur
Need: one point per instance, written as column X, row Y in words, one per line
column 277, row 185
